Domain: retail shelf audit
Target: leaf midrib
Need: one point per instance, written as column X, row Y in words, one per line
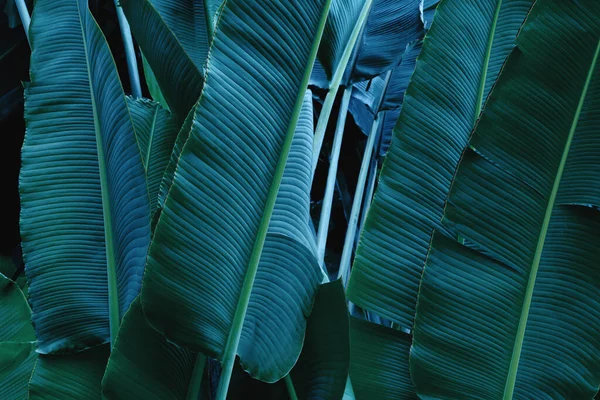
column 486, row 62
column 514, row 364
column 111, row 262
column 235, row 332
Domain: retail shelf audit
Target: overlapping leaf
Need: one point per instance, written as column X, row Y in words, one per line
column 224, row 187
column 174, row 36
column 513, row 313
column 379, row 362
column 156, row 131
column 17, row 342
column 84, row 204
column 438, row 112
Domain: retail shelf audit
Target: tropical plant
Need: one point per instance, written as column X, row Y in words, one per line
column 172, row 245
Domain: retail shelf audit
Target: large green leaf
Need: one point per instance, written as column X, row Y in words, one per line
column 391, row 26
column 341, row 21
column 322, row 369
column 379, row 362
column 205, row 290
column 156, row 131
column 438, row 112
column 84, row 204
column 514, row 312
column 143, row 365
column 17, row 360
column 365, row 38
column 142, row 355
column 174, row 36
column 363, row 104
column 69, row 376
column 17, row 342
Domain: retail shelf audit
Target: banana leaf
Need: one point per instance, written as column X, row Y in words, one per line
column 85, row 214
column 174, row 36
column 204, row 290
column 512, row 311
column 69, row 376
column 17, row 341
column 461, row 54
column 156, row 131
column 379, row 362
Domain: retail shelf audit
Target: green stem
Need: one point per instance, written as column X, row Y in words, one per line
column 344, row 270
column 486, row 62
column 516, row 355
column 290, row 387
column 235, row 333
column 196, row 381
column 331, row 176
column 24, row 15
column 134, row 77
column 370, row 185
column 335, row 84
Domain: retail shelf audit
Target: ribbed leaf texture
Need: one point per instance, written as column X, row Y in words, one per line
column 379, row 362
column 69, row 376
column 156, row 131
column 174, row 37
column 342, row 18
column 17, row 342
column 322, row 369
column 513, row 313
column 143, row 365
column 390, row 27
column 165, row 364
column 82, row 183
column 258, row 65
column 438, row 113
column 428, row 11
column 364, row 94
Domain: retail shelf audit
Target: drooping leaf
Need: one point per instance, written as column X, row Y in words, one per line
column 387, row 28
column 174, row 36
column 84, row 204
column 364, row 94
column 438, row 112
column 156, row 131
column 69, row 376
column 379, row 362
column 513, row 312
column 391, row 26
column 224, row 187
column 342, row 19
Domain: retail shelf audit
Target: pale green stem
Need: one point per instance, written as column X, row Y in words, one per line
column 370, row 189
column 196, row 381
column 235, row 333
column 134, row 77
column 290, row 387
column 344, row 270
column 331, row 176
column 335, row 84
column 348, row 391
column 516, row 354
column 24, row 15
column 486, row 62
